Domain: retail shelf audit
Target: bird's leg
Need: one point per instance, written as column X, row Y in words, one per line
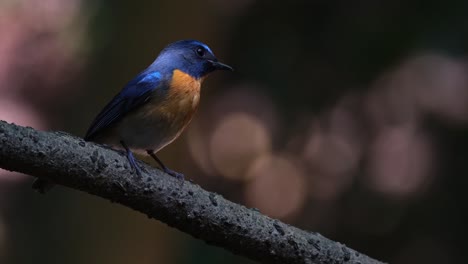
column 131, row 158
column 176, row 174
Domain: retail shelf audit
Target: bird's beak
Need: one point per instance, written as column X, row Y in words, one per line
column 221, row 66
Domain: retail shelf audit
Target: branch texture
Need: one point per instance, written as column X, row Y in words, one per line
column 85, row 166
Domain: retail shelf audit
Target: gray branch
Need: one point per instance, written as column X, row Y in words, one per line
column 85, row 166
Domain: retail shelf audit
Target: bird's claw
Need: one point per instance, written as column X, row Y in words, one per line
column 133, row 163
column 175, row 174
column 137, row 168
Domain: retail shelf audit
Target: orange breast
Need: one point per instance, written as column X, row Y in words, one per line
column 183, row 96
column 177, row 108
column 184, row 83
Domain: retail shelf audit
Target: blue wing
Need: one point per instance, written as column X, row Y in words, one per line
column 134, row 94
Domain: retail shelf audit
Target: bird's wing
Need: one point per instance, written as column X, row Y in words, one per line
column 134, row 94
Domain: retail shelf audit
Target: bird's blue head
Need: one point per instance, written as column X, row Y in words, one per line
column 190, row 56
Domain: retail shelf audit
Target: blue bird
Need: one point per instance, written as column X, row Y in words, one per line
column 154, row 108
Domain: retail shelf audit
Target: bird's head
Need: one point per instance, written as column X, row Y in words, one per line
column 190, row 56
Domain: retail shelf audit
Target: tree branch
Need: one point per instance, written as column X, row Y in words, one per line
column 72, row 162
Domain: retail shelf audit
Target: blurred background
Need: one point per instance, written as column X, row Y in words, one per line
column 349, row 118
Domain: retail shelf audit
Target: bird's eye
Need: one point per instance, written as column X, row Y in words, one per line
column 200, row 51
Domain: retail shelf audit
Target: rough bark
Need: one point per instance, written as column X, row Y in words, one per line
column 85, row 166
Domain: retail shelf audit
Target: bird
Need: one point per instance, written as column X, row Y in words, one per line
column 155, row 107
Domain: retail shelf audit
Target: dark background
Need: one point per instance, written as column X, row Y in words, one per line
column 348, row 118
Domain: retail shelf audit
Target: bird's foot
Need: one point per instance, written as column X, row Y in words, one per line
column 139, row 170
column 134, row 165
column 175, row 174
column 131, row 159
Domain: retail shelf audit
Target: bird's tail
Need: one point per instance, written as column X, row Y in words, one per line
column 42, row 186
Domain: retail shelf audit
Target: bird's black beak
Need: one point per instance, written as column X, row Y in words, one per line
column 221, row 66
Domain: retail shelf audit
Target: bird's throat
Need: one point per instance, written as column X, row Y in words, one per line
column 184, row 83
